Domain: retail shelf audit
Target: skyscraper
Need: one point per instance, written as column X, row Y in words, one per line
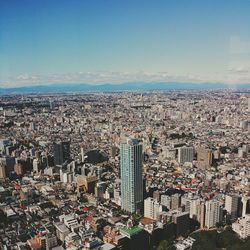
column 212, row 213
column 232, row 204
column 131, row 176
column 204, row 157
column 61, row 152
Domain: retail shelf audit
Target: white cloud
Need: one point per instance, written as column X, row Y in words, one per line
column 235, row 74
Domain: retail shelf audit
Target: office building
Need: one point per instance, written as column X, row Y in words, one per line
column 212, row 213
column 232, row 204
column 185, row 154
column 152, row 208
column 86, row 184
column 191, row 207
column 181, row 221
column 204, row 158
column 61, row 152
column 131, row 176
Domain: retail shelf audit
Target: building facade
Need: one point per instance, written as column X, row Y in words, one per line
column 131, row 176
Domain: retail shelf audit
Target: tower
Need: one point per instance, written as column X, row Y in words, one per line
column 61, row 152
column 212, row 213
column 131, row 176
column 232, row 203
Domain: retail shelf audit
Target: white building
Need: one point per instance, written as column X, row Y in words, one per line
column 212, row 213
column 242, row 227
column 185, row 154
column 152, row 208
column 36, row 165
column 191, row 206
column 232, row 205
column 70, row 220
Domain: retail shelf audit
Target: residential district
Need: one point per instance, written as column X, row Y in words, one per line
column 123, row 170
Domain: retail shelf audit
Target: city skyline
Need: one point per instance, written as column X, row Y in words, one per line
column 44, row 42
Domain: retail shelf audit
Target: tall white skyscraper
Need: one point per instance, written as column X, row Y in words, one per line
column 131, row 175
column 185, row 154
column 212, row 213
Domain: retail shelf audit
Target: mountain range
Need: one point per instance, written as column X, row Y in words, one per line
column 138, row 86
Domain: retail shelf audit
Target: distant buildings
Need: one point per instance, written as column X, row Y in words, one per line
column 131, row 176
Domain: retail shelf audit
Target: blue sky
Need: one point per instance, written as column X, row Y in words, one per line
column 90, row 41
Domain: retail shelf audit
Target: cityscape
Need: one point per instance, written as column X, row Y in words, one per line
column 123, row 170
column 124, row 125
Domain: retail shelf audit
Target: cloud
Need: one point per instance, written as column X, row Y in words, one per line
column 235, row 74
column 238, row 46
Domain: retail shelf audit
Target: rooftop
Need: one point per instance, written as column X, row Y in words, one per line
column 131, row 231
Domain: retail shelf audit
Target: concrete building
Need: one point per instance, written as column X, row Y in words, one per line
column 212, row 213
column 204, row 157
column 152, row 208
column 61, row 231
column 232, row 203
column 86, row 184
column 242, row 227
column 131, row 176
column 61, row 152
column 185, row 154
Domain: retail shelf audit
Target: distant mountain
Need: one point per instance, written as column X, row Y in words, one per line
column 77, row 87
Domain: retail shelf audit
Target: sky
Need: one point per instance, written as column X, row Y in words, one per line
column 116, row 41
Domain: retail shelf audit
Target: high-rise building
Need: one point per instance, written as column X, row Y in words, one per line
column 8, row 164
column 182, row 222
column 131, row 175
column 204, row 157
column 191, row 206
column 61, row 152
column 2, row 171
column 212, row 213
column 201, row 210
column 175, row 201
column 232, row 204
column 152, row 208
column 185, row 154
